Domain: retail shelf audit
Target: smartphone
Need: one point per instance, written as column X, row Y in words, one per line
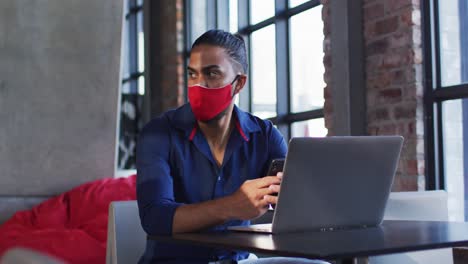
column 276, row 166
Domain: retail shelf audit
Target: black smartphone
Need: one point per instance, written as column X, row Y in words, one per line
column 276, row 166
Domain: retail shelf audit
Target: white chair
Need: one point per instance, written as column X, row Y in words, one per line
column 423, row 206
column 19, row 255
column 126, row 239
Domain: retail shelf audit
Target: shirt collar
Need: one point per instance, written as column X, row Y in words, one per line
column 184, row 119
column 246, row 123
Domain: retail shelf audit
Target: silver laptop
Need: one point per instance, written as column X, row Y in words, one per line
column 334, row 183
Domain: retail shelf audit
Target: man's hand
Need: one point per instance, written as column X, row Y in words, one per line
column 250, row 201
column 253, row 197
column 273, row 198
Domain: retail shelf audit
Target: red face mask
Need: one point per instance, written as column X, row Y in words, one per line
column 207, row 103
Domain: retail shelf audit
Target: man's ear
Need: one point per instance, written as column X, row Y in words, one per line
column 240, row 83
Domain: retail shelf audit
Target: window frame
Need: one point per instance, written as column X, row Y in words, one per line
column 434, row 96
column 218, row 17
column 131, row 16
column 131, row 129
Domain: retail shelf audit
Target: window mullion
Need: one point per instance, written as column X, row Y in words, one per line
column 439, row 150
column 463, row 10
column 133, row 47
column 282, row 66
column 429, row 106
column 436, row 34
column 211, row 15
column 245, row 100
column 222, row 14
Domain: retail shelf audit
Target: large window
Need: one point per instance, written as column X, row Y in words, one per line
column 133, row 83
column 284, row 40
column 446, row 100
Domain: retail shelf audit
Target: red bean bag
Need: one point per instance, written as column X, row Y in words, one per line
column 71, row 226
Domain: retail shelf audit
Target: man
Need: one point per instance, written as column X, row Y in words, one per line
column 203, row 165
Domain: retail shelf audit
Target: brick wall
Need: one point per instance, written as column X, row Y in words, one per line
column 393, row 77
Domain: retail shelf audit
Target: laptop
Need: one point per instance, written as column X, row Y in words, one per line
column 334, row 183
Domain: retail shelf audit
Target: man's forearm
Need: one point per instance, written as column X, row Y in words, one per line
column 250, row 201
column 194, row 217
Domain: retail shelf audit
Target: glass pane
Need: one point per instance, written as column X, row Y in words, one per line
column 141, row 85
column 198, row 19
column 309, row 128
column 263, row 70
column 455, row 145
column 306, row 53
column 453, row 27
column 128, row 130
column 141, row 42
column 293, row 3
column 130, row 87
column 131, row 4
column 261, row 10
column 125, row 88
column 237, row 100
column 126, row 7
column 233, row 15
column 125, row 51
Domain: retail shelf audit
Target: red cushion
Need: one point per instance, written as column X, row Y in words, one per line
column 71, row 226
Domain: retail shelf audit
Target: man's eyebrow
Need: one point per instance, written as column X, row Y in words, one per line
column 206, row 68
column 211, row 67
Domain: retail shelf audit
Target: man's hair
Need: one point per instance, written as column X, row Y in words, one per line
column 233, row 44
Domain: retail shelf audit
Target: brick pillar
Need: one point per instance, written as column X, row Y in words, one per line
column 392, row 34
column 393, row 59
column 165, row 48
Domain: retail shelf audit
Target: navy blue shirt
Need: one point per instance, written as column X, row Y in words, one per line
column 175, row 166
